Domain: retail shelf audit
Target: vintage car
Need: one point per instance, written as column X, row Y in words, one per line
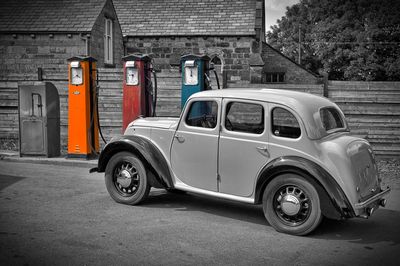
column 289, row 151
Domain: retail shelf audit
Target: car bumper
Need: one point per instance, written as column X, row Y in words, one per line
column 94, row 169
column 367, row 207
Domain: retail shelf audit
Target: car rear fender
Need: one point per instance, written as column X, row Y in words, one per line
column 334, row 203
column 151, row 156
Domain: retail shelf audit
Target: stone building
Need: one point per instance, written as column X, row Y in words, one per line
column 37, row 38
column 231, row 32
column 43, row 34
column 278, row 68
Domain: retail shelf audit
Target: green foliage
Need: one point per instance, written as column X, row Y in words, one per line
column 348, row 39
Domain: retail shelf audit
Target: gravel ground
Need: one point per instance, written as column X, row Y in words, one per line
column 389, row 170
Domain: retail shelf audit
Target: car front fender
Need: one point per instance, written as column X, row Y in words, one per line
column 334, row 203
column 145, row 150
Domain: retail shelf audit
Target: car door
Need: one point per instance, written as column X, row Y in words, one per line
column 194, row 150
column 243, row 146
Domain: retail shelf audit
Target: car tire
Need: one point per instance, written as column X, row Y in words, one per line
column 126, row 179
column 291, row 205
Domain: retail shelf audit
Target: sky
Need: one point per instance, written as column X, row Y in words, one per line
column 275, row 9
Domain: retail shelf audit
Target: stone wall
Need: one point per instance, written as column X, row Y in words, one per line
column 97, row 37
column 238, row 56
column 234, row 52
column 22, row 54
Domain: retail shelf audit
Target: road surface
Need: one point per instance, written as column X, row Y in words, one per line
column 59, row 215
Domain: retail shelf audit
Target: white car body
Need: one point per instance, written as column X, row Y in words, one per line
column 209, row 155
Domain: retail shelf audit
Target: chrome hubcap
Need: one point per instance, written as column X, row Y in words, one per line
column 126, row 179
column 292, row 205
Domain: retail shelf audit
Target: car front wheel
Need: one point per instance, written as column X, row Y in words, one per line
column 291, row 205
column 126, row 179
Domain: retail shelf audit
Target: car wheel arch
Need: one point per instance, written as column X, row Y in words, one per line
column 334, row 203
column 156, row 164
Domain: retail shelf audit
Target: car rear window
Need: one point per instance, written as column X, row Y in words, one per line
column 331, row 118
column 285, row 124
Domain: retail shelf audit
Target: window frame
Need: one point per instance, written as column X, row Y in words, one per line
column 225, row 114
column 239, row 134
column 342, row 120
column 188, row 110
column 299, row 121
column 108, row 42
column 278, row 74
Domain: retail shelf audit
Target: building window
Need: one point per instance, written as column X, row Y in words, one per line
column 274, row 77
column 218, row 64
column 108, row 42
column 216, row 60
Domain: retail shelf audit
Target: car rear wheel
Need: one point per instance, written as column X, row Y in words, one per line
column 291, row 205
column 126, row 179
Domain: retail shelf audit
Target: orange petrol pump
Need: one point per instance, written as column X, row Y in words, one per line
column 83, row 125
column 139, row 96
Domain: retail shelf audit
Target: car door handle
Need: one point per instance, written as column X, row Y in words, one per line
column 179, row 138
column 264, row 150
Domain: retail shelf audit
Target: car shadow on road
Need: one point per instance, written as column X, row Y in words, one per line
column 193, row 202
column 6, row 180
column 383, row 226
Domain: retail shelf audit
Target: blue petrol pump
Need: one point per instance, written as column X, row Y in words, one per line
column 195, row 75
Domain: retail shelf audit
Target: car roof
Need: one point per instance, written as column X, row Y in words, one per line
column 306, row 105
column 293, row 99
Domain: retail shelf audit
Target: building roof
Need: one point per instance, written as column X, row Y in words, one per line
column 49, row 15
column 289, row 59
column 182, row 17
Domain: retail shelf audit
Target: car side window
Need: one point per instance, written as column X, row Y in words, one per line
column 244, row 117
column 202, row 114
column 284, row 124
column 331, row 118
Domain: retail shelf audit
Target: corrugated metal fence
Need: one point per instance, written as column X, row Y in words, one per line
column 372, row 108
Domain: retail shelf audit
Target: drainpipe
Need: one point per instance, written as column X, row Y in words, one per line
column 87, row 42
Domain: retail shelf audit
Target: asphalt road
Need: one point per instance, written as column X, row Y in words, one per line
column 57, row 215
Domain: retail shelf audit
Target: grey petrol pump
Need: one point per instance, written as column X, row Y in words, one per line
column 39, row 120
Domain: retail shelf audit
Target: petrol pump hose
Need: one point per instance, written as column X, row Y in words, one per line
column 97, row 106
column 216, row 77
column 149, row 88
column 155, row 92
column 94, row 101
column 91, row 103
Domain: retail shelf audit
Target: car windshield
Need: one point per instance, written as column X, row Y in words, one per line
column 332, row 119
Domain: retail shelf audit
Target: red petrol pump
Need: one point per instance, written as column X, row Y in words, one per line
column 139, row 96
column 83, row 123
